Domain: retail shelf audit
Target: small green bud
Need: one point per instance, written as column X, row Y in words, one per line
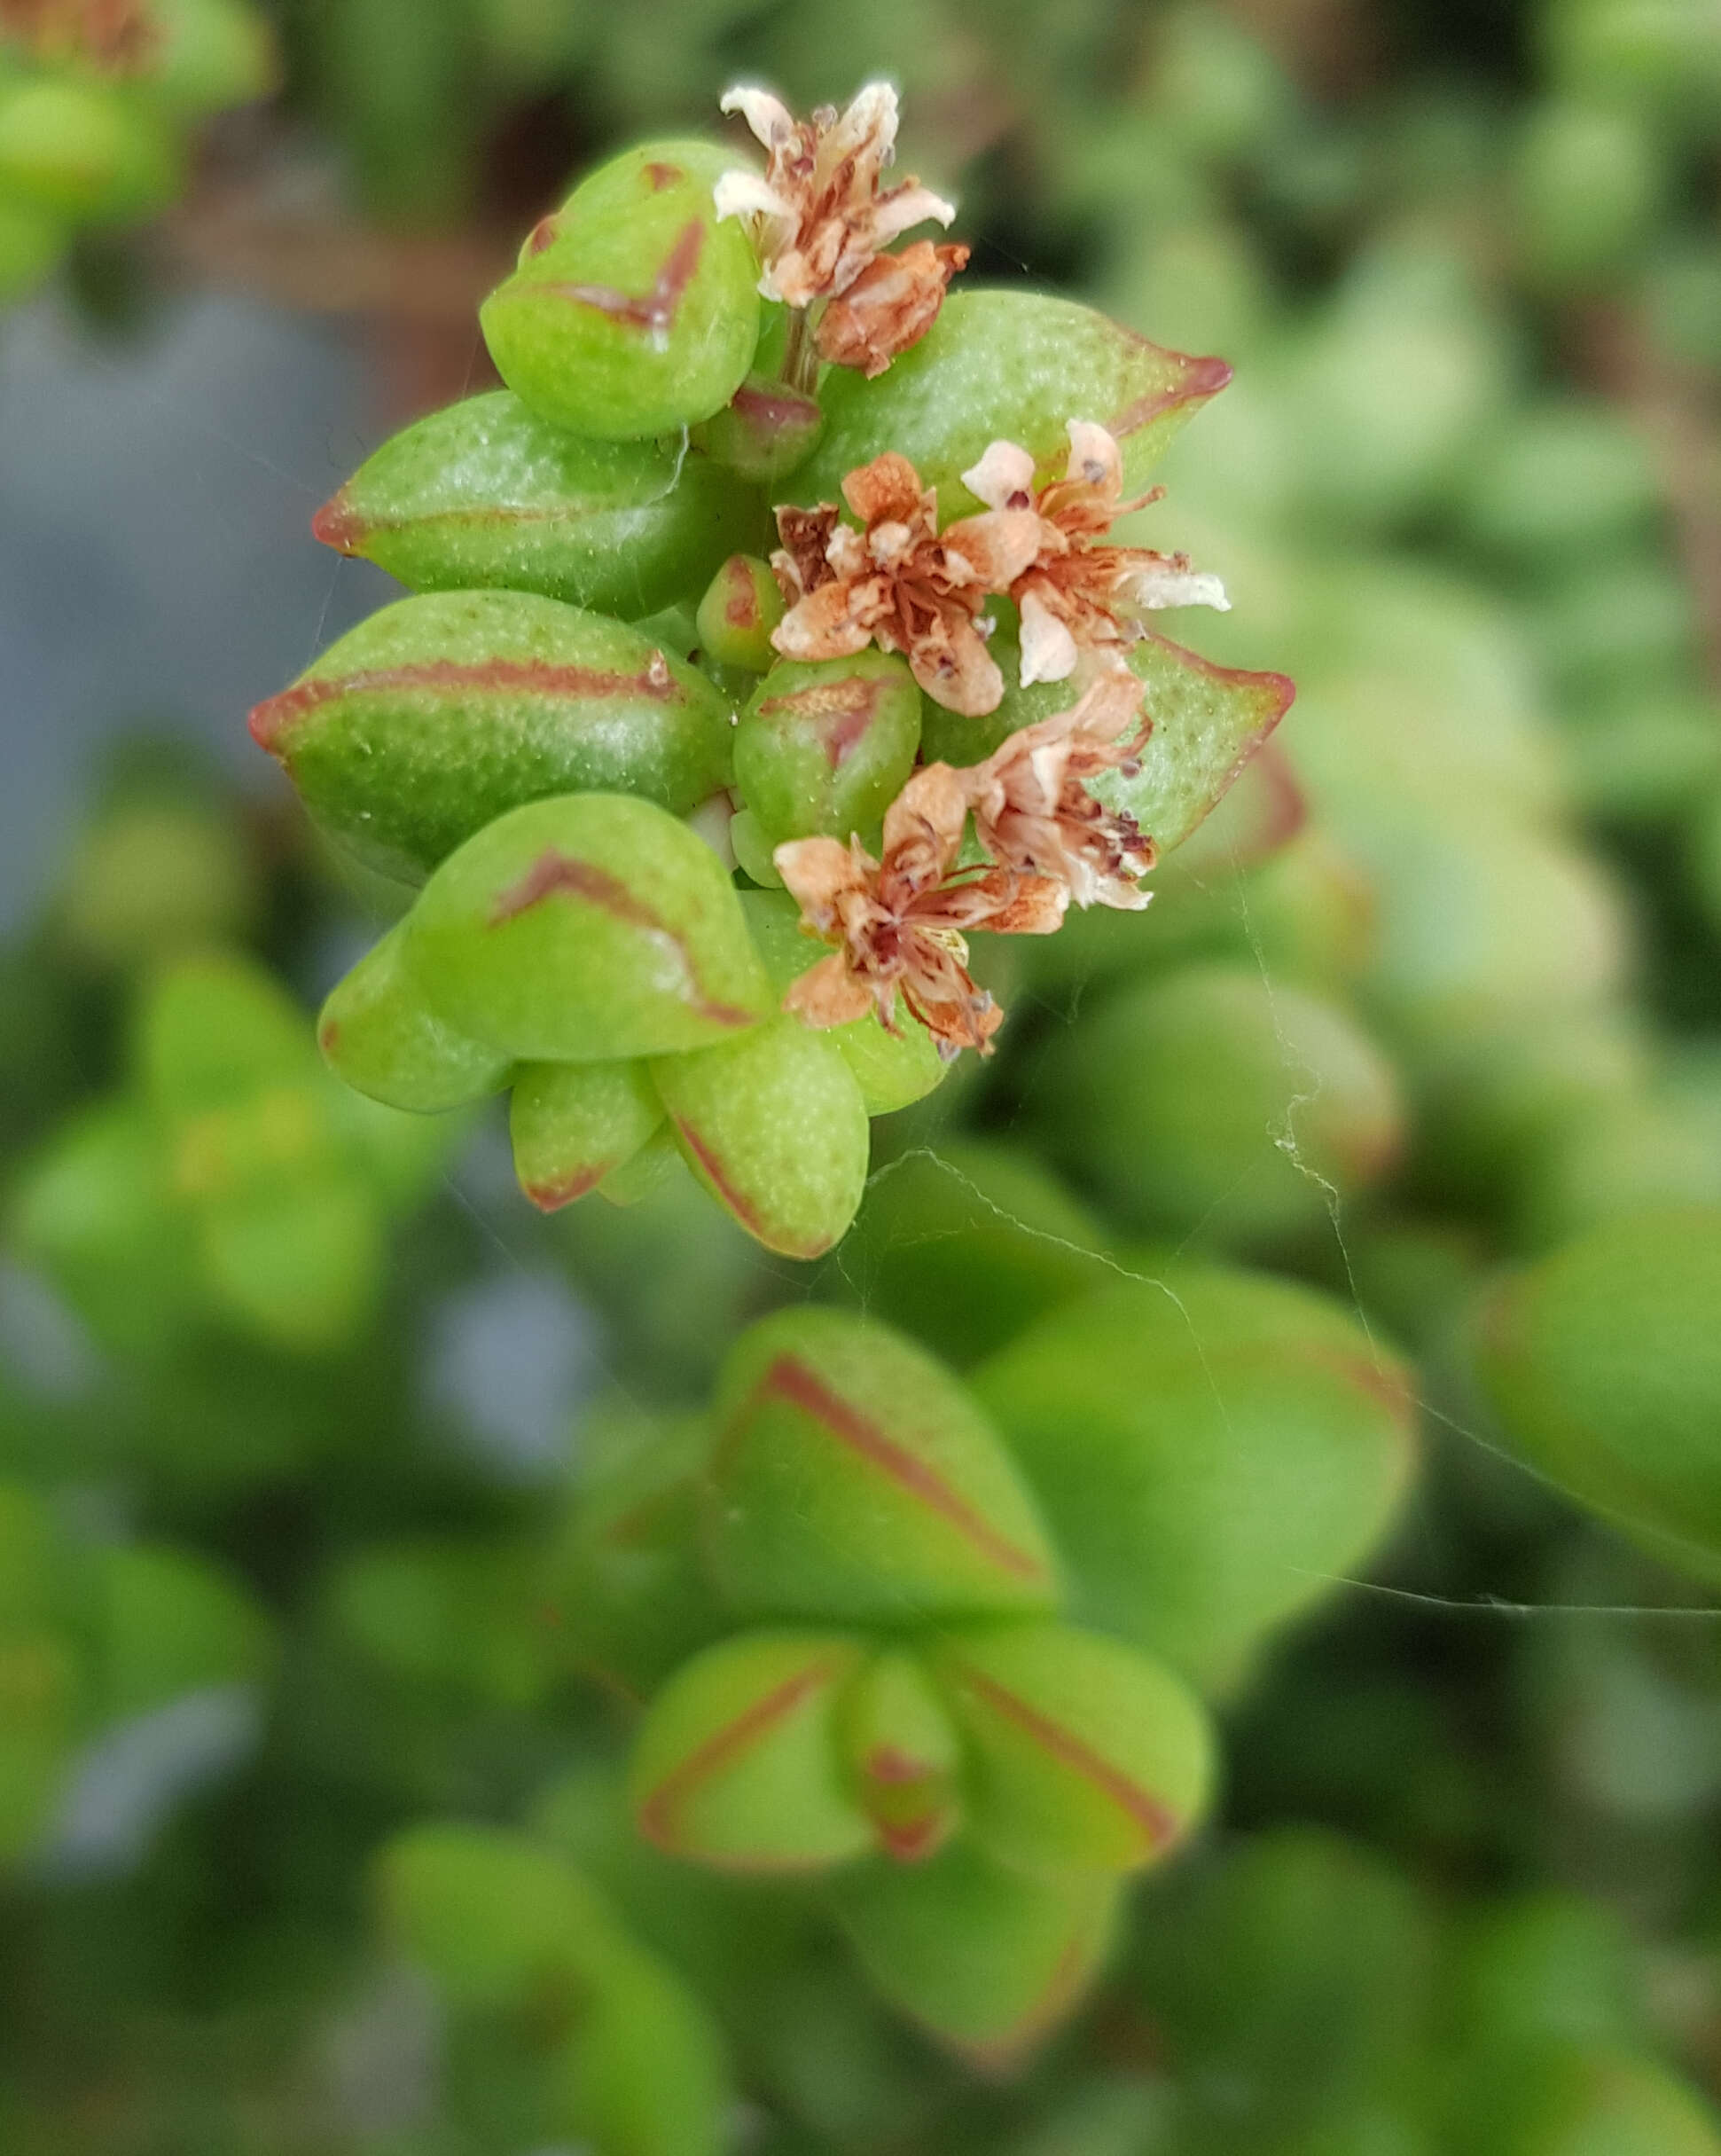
column 574, row 1124
column 765, row 430
column 1011, row 365
column 487, row 493
column 826, row 745
column 657, row 1161
column 738, row 1763
column 1217, row 1102
column 905, row 1757
column 753, row 851
column 435, row 716
column 741, row 607
column 1210, row 1450
column 1082, row 1754
column 1603, row 1366
column 892, row 1069
column 774, row 1126
column 854, row 1478
column 586, row 928
column 377, row 1032
column 633, row 310
column 987, row 1960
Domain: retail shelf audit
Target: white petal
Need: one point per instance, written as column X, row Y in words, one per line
column 769, row 117
column 911, row 207
column 1168, row 587
column 1048, row 649
column 1005, row 474
column 741, row 193
column 1094, row 456
column 870, row 122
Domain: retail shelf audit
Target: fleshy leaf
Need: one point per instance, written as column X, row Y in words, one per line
column 737, row 1763
column 1209, row 721
column 586, row 928
column 378, row 1033
column 1015, row 366
column 1603, row 1366
column 853, row 1477
column 440, row 712
column 574, row 1124
column 1210, row 1453
column 633, row 309
column 774, row 1126
column 1082, row 1754
column 987, row 1960
column 485, row 493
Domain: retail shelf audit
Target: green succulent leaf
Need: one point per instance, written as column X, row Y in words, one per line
column 853, row 1478
column 1211, row 1451
column 485, row 493
column 378, row 1033
column 774, row 1126
column 738, row 1765
column 586, row 928
column 633, row 310
column 1603, row 1363
column 985, row 1959
column 1015, row 366
column 1083, row 1755
column 439, row 713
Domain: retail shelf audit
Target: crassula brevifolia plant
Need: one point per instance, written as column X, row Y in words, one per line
column 770, row 639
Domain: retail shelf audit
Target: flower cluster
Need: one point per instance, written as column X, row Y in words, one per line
column 820, row 218
column 900, row 924
column 902, row 584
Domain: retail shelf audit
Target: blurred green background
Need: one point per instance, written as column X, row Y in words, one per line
column 296, row 1494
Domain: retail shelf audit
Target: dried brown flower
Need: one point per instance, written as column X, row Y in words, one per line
column 899, row 582
column 1079, row 593
column 900, row 924
column 1033, row 812
column 819, row 216
column 891, row 305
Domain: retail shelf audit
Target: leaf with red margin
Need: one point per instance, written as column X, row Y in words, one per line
column 1016, row 366
column 1209, row 721
column 1084, row 1755
column 738, row 1763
